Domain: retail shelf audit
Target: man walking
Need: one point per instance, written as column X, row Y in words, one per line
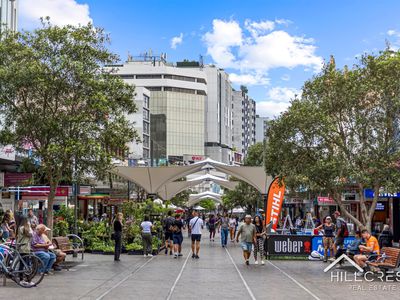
column 196, row 225
column 177, row 236
column 224, row 223
column 168, row 224
column 341, row 233
column 247, row 231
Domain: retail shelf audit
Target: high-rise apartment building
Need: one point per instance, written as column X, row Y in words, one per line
column 8, row 15
column 177, row 106
column 243, row 122
column 261, row 128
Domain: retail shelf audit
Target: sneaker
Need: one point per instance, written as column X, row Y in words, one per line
column 263, row 262
column 196, row 256
column 223, row 246
column 247, row 262
column 150, row 255
column 359, row 274
column 256, row 262
column 331, row 259
column 180, row 254
column 175, row 255
column 26, row 283
column 193, row 255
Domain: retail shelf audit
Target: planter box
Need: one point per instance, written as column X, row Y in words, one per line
column 135, row 252
column 108, row 253
column 97, row 251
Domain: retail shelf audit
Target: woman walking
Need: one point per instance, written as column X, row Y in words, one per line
column 211, row 227
column 24, row 238
column 5, row 227
column 232, row 227
column 260, row 236
column 146, row 236
column 118, row 236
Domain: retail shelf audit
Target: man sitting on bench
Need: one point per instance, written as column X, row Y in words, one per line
column 370, row 249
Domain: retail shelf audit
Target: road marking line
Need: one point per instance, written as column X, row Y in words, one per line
column 171, row 291
column 294, row 280
column 123, row 280
column 241, row 276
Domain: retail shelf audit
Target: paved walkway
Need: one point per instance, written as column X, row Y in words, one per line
column 219, row 274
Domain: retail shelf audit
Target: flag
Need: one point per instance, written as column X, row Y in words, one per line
column 274, row 203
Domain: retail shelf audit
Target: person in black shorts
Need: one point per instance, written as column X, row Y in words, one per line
column 177, row 236
column 196, row 225
column 168, row 224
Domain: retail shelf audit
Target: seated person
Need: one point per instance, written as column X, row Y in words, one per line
column 371, row 247
column 40, row 248
column 60, row 255
column 353, row 247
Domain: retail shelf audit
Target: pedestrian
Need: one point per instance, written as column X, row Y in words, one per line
column 33, row 220
column 260, row 238
column 386, row 237
column 147, row 226
column 24, row 239
column 177, row 235
column 232, row 227
column 341, row 233
column 168, row 223
column 224, row 223
column 196, row 225
column 5, row 226
column 118, row 236
column 328, row 229
column 247, row 234
column 211, row 227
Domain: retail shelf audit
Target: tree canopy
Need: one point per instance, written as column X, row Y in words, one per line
column 57, row 98
column 343, row 131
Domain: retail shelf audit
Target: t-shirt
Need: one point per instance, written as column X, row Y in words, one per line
column 339, row 225
column 178, row 224
column 247, row 232
column 224, row 222
column 146, row 226
column 38, row 239
column 232, row 222
column 372, row 242
column 195, row 224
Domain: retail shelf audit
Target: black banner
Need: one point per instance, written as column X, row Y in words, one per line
column 289, row 245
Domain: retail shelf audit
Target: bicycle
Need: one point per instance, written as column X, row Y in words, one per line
column 23, row 269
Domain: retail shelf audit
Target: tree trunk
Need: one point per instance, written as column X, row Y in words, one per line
column 345, row 211
column 50, row 202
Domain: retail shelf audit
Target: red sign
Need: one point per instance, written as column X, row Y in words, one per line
column 16, row 179
column 326, row 200
column 61, row 191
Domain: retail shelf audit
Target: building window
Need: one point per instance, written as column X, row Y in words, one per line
column 154, row 88
column 146, row 100
column 146, row 141
column 200, row 92
column 179, row 90
column 201, row 80
column 148, row 76
column 146, row 127
column 127, row 76
column 178, row 77
column 146, row 114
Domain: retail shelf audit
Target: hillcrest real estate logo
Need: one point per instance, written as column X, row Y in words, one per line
column 339, row 259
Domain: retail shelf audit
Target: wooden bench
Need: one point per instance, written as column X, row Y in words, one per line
column 389, row 259
column 70, row 244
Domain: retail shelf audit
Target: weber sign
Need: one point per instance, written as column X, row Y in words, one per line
column 289, row 245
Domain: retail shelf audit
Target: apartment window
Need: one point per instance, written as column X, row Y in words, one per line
column 146, row 128
column 154, row 88
column 201, row 80
column 146, row 114
column 148, row 76
column 200, row 92
column 178, row 77
column 179, row 90
column 127, row 76
column 146, row 100
column 146, row 141
column 146, row 153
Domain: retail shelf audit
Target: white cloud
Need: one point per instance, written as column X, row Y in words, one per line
column 278, row 101
column 248, row 79
column 392, row 32
column 258, row 47
column 176, row 40
column 61, row 12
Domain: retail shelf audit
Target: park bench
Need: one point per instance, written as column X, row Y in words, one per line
column 70, row 244
column 388, row 260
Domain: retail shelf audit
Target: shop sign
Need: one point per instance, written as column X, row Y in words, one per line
column 317, row 244
column 16, row 179
column 289, row 245
column 369, row 193
column 326, row 201
column 61, row 191
column 189, row 157
column 7, row 152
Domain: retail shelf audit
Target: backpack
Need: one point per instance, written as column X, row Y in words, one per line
column 345, row 229
column 169, row 222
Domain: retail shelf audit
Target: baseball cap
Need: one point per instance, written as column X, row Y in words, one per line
column 47, row 228
column 328, row 217
column 337, row 213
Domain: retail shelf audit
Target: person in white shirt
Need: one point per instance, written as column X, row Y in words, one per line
column 196, row 225
column 146, row 226
column 232, row 227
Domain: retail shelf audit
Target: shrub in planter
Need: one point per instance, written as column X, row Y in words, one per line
column 108, row 250
column 97, row 247
column 134, row 249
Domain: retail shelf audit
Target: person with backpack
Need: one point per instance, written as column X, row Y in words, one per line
column 329, row 229
column 211, row 227
column 168, row 224
column 386, row 237
column 177, row 235
column 341, row 233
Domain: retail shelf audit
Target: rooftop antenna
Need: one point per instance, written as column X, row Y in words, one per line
column 201, row 62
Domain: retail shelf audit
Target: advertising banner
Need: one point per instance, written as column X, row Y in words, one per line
column 317, row 244
column 16, row 179
column 276, row 193
column 289, row 245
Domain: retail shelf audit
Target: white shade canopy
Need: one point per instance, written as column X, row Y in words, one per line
column 196, row 198
column 152, row 179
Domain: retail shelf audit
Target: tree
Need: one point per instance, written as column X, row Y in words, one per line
column 181, row 198
column 208, row 204
column 57, row 97
column 244, row 194
column 342, row 131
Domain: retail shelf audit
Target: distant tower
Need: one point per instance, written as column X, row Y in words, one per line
column 9, row 14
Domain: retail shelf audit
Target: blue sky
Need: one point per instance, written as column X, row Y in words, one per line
column 271, row 46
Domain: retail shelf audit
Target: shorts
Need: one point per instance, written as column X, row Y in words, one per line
column 177, row 238
column 196, row 237
column 328, row 242
column 339, row 241
column 168, row 236
column 247, row 246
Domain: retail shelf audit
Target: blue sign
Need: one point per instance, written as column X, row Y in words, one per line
column 369, row 193
column 317, row 244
